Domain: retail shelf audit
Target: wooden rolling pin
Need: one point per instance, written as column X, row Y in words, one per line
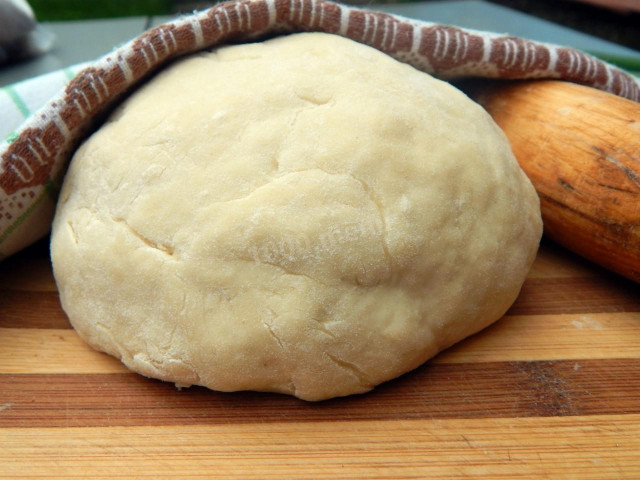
column 581, row 149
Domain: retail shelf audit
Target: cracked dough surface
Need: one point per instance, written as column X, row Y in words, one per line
column 304, row 215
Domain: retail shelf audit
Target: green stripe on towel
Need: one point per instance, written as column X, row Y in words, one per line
column 18, row 101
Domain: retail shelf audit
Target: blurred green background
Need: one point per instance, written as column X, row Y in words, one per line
column 52, row 10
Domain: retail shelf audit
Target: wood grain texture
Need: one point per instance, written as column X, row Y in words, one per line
column 552, row 390
column 585, row 448
column 551, row 337
column 482, row 390
column 38, row 350
column 20, row 309
column 581, row 149
column 606, row 293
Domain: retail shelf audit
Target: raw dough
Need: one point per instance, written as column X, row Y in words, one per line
column 304, row 215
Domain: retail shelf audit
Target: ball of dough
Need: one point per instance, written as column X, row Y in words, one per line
column 305, row 215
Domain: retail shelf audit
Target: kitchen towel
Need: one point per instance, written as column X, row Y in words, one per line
column 34, row 155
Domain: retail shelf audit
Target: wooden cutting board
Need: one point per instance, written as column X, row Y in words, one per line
column 550, row 391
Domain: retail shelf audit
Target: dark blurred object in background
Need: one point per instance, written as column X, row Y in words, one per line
column 621, row 26
column 621, row 5
column 20, row 35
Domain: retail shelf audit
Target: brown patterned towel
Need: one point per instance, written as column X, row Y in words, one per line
column 32, row 163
